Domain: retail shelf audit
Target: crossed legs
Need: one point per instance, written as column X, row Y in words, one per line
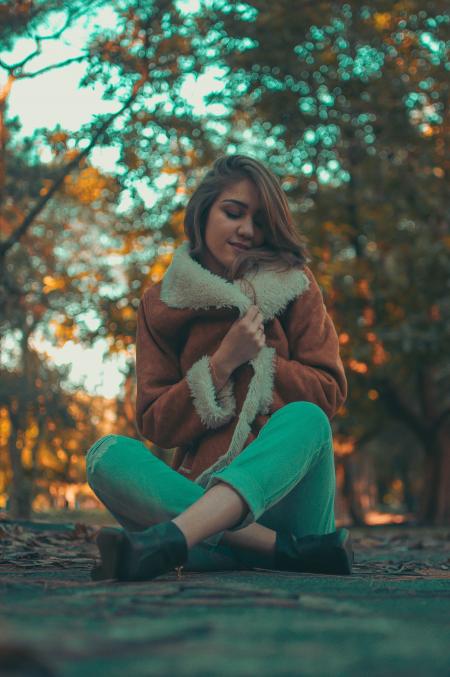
column 219, row 508
column 263, row 478
column 286, row 476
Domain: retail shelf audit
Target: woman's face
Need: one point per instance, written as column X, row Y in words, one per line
column 234, row 217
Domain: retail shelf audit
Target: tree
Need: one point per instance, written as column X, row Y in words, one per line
column 351, row 100
column 47, row 203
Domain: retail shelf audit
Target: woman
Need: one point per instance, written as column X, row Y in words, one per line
column 238, row 368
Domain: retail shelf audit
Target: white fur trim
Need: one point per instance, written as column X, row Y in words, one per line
column 258, row 400
column 187, row 284
column 214, row 408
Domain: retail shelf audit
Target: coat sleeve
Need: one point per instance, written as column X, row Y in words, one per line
column 171, row 409
column 316, row 372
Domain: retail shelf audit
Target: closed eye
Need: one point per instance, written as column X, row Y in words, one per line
column 237, row 216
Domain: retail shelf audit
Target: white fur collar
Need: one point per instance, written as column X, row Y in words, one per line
column 187, row 284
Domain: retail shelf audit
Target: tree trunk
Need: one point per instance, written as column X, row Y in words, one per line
column 4, row 93
column 20, row 494
column 21, row 491
column 350, row 495
column 435, row 504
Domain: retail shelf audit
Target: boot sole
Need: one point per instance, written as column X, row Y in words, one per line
column 110, row 542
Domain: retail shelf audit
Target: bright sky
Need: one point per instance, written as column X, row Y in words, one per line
column 53, row 98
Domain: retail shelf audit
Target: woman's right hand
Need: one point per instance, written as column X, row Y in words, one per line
column 244, row 339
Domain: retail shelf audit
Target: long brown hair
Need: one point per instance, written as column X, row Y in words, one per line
column 284, row 247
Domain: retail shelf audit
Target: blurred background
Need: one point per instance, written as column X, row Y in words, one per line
column 111, row 112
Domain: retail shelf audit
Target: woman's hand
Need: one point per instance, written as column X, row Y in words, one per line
column 244, row 339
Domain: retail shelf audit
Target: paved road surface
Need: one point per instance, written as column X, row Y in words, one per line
column 391, row 617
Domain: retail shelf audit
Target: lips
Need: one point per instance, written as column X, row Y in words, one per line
column 239, row 247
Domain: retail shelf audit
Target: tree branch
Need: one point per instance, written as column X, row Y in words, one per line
column 28, row 220
column 20, row 64
column 72, row 15
column 74, row 59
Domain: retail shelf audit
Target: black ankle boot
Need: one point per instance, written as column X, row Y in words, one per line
column 140, row 555
column 327, row 554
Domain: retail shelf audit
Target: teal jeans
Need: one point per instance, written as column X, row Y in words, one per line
column 286, row 476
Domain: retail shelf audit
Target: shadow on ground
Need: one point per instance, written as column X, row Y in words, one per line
column 391, row 617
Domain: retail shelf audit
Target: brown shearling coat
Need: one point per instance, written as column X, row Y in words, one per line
column 181, row 322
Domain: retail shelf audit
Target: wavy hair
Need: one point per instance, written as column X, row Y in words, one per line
column 284, row 247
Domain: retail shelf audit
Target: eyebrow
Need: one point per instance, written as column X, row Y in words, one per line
column 238, row 202
column 242, row 204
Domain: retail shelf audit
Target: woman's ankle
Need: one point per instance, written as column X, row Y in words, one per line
column 259, row 542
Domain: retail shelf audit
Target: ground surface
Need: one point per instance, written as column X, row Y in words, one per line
column 391, row 617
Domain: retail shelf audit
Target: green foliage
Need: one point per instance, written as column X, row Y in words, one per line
column 347, row 104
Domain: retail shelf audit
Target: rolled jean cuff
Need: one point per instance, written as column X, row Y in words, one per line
column 248, row 489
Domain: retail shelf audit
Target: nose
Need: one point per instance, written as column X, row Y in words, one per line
column 246, row 227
